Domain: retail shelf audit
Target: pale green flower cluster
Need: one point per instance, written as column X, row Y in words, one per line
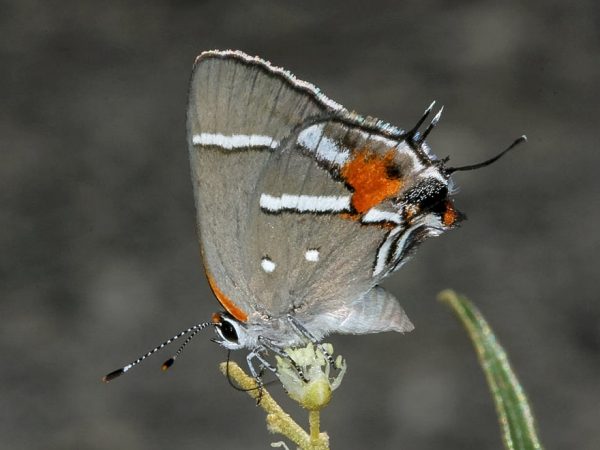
column 315, row 393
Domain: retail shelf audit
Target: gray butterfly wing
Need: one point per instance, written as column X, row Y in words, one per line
column 240, row 108
column 376, row 311
column 282, row 228
column 328, row 229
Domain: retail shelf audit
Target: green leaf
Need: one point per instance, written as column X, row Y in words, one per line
column 514, row 413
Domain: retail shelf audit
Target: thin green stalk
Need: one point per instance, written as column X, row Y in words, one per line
column 514, row 413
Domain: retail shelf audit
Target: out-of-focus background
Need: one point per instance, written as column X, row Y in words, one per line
column 99, row 259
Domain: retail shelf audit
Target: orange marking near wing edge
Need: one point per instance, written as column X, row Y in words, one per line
column 229, row 306
column 368, row 174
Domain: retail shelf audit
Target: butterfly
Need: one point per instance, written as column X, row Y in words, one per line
column 303, row 207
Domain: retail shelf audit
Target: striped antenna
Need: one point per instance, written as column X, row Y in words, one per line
column 169, row 362
column 116, row 373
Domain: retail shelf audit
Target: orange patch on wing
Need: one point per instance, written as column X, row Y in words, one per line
column 450, row 215
column 368, row 175
column 225, row 301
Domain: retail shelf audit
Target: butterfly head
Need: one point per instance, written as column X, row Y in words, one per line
column 233, row 334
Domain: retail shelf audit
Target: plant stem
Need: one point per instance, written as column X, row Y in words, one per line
column 278, row 421
column 314, row 420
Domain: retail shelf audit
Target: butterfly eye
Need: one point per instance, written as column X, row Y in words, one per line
column 228, row 331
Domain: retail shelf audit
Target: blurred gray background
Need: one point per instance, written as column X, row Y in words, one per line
column 99, row 259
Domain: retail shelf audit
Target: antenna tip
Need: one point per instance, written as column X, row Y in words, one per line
column 520, row 140
column 167, row 364
column 114, row 374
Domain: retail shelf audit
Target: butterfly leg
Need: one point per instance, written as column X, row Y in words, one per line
column 255, row 354
column 267, row 343
column 302, row 331
column 263, row 362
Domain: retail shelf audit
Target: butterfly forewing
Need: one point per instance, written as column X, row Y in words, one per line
column 238, row 114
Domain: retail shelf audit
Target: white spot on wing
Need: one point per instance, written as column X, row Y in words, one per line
column 267, row 265
column 235, row 140
column 329, row 151
column 325, row 149
column 312, row 255
column 309, row 137
column 375, row 215
column 305, row 203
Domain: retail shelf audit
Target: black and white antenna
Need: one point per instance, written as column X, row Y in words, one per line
column 169, row 362
column 193, row 329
